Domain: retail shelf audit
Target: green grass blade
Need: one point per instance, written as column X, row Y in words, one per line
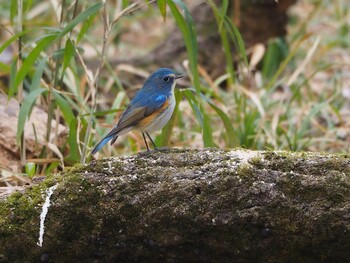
column 74, row 155
column 220, row 19
column 51, row 167
column 186, row 27
column 188, row 93
column 29, row 62
column 11, row 40
column 87, row 24
column 38, row 74
column 69, row 53
column 207, row 130
column 237, row 39
column 276, row 52
column 223, row 12
column 232, row 138
column 80, row 18
column 64, row 106
column 4, row 68
column 285, row 62
column 162, row 8
column 13, row 10
column 25, row 109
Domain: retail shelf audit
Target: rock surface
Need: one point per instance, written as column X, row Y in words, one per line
column 176, row 205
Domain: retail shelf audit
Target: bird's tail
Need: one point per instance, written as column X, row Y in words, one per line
column 103, row 142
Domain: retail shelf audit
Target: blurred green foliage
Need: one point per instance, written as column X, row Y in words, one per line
column 52, row 70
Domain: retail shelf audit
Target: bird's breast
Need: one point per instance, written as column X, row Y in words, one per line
column 159, row 118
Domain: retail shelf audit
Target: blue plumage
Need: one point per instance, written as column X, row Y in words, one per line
column 101, row 144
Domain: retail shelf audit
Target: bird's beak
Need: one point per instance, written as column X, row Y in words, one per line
column 178, row 76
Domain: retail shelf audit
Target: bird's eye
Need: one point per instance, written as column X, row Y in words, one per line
column 166, row 78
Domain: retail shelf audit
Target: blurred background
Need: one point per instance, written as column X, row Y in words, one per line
column 260, row 75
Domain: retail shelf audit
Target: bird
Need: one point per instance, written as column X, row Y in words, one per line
column 149, row 110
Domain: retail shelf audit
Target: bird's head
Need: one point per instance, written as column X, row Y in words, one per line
column 162, row 78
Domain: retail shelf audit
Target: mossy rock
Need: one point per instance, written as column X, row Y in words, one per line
column 176, row 205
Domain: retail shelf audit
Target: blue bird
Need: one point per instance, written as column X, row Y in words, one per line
column 149, row 110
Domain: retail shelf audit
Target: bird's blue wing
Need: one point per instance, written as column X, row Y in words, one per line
column 140, row 107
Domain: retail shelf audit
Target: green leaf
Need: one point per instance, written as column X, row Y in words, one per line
column 73, row 142
column 223, row 12
column 10, row 40
column 27, row 4
column 51, row 167
column 64, row 106
column 207, row 131
column 87, row 24
column 38, row 74
column 188, row 93
column 4, row 68
column 162, row 8
column 80, row 18
column 186, row 27
column 29, row 62
column 13, row 10
column 220, row 16
column 237, row 39
column 69, row 53
column 277, row 51
column 233, row 140
column 25, row 109
column 12, row 77
column 30, row 169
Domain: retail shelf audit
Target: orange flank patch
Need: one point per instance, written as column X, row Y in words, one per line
column 148, row 120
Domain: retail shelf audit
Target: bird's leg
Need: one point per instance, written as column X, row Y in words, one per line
column 144, row 138
column 154, row 145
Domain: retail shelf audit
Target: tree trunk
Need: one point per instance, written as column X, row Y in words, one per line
column 175, row 205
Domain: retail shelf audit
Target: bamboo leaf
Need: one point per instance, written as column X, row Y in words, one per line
column 29, row 62
column 69, row 53
column 25, row 109
column 38, row 74
column 10, row 40
column 87, row 24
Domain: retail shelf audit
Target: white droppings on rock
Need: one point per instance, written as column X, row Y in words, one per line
column 243, row 155
column 43, row 214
